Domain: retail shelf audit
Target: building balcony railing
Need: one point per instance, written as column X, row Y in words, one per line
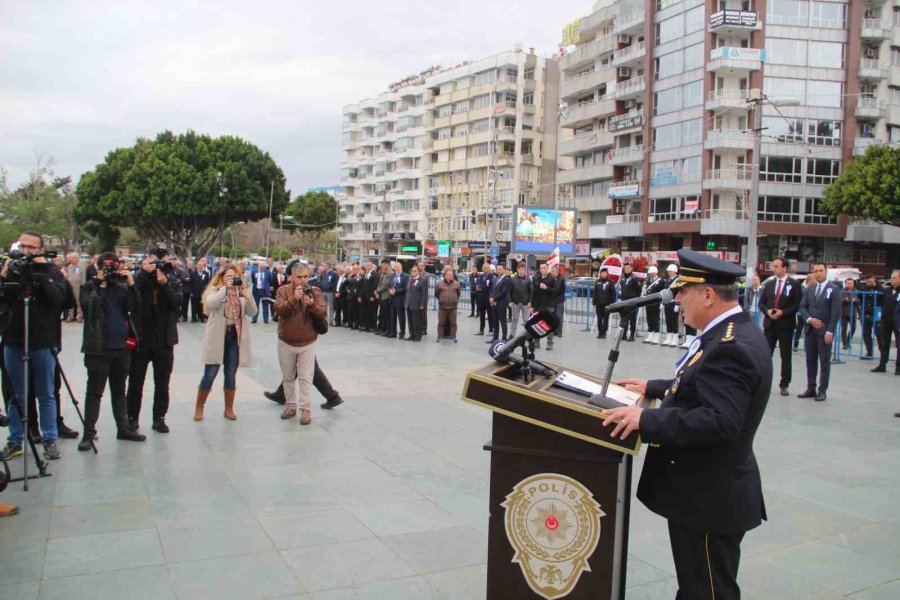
column 734, row 60
column 861, row 144
column 629, row 88
column 627, row 23
column 625, row 189
column 869, row 108
column 875, row 29
column 726, row 99
column 728, row 179
column 587, row 52
column 588, row 203
column 731, row 139
column 734, row 23
column 629, row 55
column 584, row 142
column 588, row 173
column 725, row 221
column 619, row 226
column 870, row 68
column 587, row 111
column 582, row 83
column 666, row 217
column 627, row 155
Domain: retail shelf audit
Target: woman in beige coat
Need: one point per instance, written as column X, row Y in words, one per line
column 227, row 303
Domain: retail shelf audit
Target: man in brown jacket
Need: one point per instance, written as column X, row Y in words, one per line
column 297, row 304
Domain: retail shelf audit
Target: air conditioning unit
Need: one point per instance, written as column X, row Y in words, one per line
column 871, row 53
column 624, row 72
column 623, row 38
column 629, row 104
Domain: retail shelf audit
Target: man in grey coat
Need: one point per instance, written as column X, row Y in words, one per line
column 416, row 296
column 820, row 309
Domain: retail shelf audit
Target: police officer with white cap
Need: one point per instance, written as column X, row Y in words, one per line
column 670, row 310
column 653, row 284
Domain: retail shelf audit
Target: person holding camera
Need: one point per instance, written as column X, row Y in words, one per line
column 297, row 306
column 31, row 273
column 108, row 303
column 160, row 304
column 226, row 341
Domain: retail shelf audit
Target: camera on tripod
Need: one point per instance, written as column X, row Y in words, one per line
column 21, row 264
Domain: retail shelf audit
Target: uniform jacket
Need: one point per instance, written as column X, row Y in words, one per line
column 501, row 289
column 295, row 323
column 520, row 292
column 214, row 333
column 655, row 286
column 93, row 337
column 791, row 296
column 447, row 294
column 826, row 307
column 700, row 470
column 416, row 293
column 890, row 313
column 604, row 292
column 629, row 286
column 543, row 298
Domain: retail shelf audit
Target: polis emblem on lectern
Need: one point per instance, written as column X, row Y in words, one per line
column 553, row 523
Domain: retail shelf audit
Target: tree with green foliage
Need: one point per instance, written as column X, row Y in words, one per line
column 44, row 204
column 184, row 190
column 869, row 188
column 312, row 215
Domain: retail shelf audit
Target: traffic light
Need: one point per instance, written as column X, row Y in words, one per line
column 711, row 245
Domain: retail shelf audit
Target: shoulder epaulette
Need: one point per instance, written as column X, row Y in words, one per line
column 729, row 333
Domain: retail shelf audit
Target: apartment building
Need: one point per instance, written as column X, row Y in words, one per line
column 445, row 156
column 658, row 135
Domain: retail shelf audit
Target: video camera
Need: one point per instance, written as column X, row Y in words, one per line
column 21, row 264
column 161, row 250
column 112, row 273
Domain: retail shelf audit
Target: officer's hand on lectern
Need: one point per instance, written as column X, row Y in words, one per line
column 626, row 419
column 634, row 385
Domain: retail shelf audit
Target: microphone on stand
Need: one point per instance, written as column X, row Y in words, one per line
column 664, row 297
column 517, row 360
column 540, row 325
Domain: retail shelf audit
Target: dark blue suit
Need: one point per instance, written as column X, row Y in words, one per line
column 825, row 306
column 499, row 293
column 483, row 286
column 397, row 315
column 262, row 288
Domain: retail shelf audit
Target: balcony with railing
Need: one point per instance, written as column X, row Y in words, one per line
column 725, row 221
column 630, row 188
column 629, row 23
column 631, row 54
column 729, row 139
column 583, row 82
column 734, row 23
column 627, row 155
column 584, row 142
column 728, row 179
column 872, row 68
column 588, row 51
column 861, row 144
column 735, row 60
column 727, row 99
column 875, row 29
column 869, row 108
column 629, row 88
column 587, row 111
column 586, row 173
column 588, row 203
column 620, row 226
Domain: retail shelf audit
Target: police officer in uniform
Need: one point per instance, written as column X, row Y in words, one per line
column 700, row 472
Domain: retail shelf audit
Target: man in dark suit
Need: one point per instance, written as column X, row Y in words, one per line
column 544, row 289
column 483, row 292
column 368, row 304
column 629, row 288
column 384, row 300
column 426, row 280
column 416, row 293
column 779, row 302
column 499, row 301
column 327, row 284
column 262, row 288
column 340, row 296
column 821, row 310
column 889, row 325
column 200, row 277
column 603, row 294
column 700, row 472
column 397, row 293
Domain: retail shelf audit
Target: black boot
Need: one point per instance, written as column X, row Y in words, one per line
column 131, row 436
column 65, row 431
column 334, row 401
column 277, row 396
column 86, row 442
column 160, row 425
column 133, row 424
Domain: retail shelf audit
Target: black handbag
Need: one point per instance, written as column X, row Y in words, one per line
column 320, row 325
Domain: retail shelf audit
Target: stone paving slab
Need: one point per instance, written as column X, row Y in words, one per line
column 387, row 496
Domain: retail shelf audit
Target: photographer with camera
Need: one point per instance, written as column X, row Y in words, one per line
column 226, row 340
column 297, row 305
column 30, row 273
column 159, row 291
column 108, row 303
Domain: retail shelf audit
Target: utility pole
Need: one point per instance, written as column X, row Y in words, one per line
column 561, row 112
column 753, row 221
column 269, row 224
column 383, row 220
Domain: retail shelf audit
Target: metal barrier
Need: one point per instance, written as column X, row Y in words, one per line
column 864, row 309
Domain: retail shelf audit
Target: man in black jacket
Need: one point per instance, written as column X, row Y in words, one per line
column 483, row 294
column 397, row 293
column 779, row 302
column 544, row 289
column 604, row 294
column 109, row 303
column 200, row 277
column 700, row 472
column 629, row 288
column 160, row 299
column 351, row 292
column 48, row 292
column 889, row 325
column 519, row 297
column 499, row 302
column 368, row 303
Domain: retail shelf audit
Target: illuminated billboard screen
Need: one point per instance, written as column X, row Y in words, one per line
column 534, row 230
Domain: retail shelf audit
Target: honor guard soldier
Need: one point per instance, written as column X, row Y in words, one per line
column 700, row 472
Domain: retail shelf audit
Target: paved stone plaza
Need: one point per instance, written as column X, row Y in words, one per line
column 386, row 497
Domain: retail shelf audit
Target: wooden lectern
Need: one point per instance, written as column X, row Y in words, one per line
column 560, row 490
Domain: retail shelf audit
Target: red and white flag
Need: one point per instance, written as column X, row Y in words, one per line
column 553, row 260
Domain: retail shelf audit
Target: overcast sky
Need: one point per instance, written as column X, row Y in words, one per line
column 82, row 78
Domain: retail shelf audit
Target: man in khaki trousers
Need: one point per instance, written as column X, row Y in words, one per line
column 297, row 305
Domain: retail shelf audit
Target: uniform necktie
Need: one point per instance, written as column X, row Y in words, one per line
column 778, row 293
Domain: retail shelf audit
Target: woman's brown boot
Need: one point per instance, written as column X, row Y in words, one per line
column 229, row 405
column 201, row 400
